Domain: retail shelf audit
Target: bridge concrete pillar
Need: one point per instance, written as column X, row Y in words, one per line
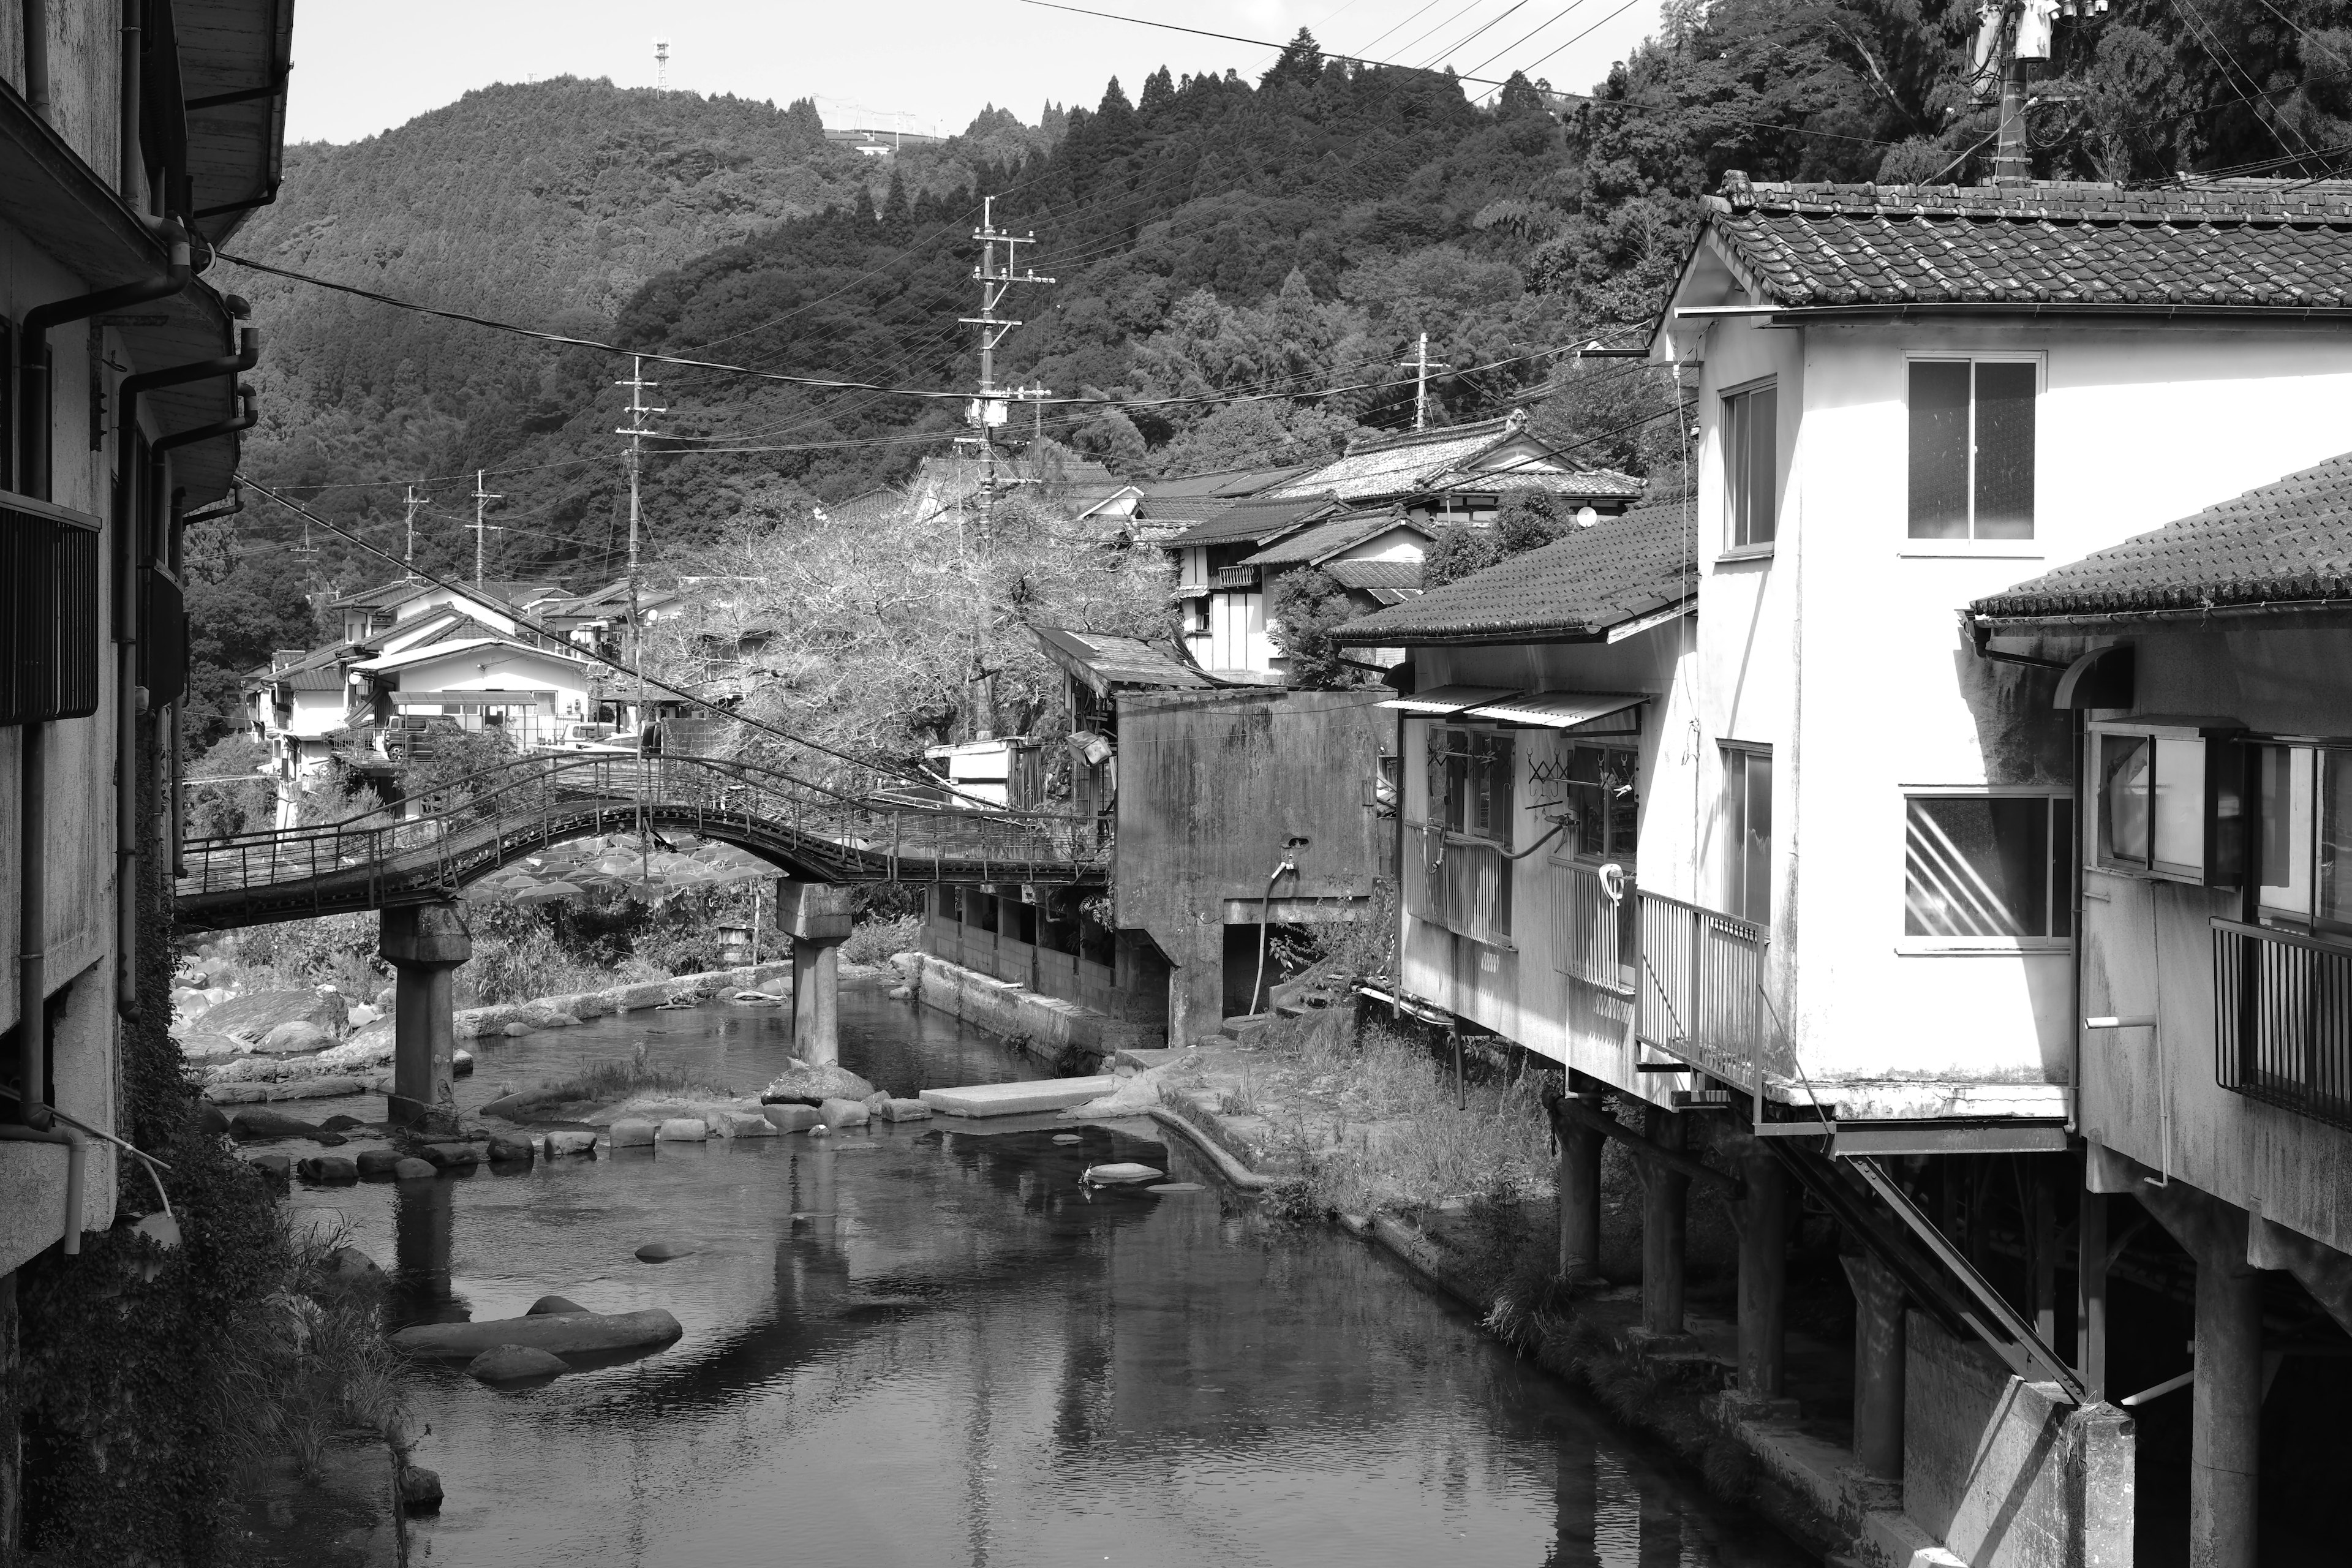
column 425, row 943
column 815, row 915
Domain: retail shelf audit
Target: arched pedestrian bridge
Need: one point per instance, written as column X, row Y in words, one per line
column 810, row 832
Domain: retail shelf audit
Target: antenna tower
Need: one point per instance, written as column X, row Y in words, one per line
column 408, row 556
column 481, row 498
column 1421, row 364
column 661, row 63
column 637, row 432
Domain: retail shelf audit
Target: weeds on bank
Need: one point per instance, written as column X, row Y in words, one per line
column 1376, row 1123
column 614, row 1079
column 873, row 940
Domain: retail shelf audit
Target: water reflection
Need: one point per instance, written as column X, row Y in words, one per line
column 929, row 1344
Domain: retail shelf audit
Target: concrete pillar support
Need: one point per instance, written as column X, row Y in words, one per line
column 1665, row 1205
column 2225, row 1439
column 425, row 943
column 1763, row 1217
column 1580, row 1199
column 1879, row 1350
column 815, row 915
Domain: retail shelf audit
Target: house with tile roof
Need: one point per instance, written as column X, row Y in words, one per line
column 1166, row 508
column 1827, row 888
column 1462, row 473
column 1226, row 568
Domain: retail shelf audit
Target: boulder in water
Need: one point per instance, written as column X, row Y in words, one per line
column 252, row 1016
column 1122, row 1173
column 548, row 1306
column 632, row 1133
column 840, row 1114
column 512, row 1151
column 892, row 1110
column 328, row 1168
column 572, row 1140
column 251, row 1126
column 814, row 1083
column 561, row 1333
column 273, row 1164
column 515, row 1363
column 790, row 1118
column 663, row 1252
column 294, row 1037
column 745, row 1124
column 420, row 1489
column 682, row 1130
column 413, row 1171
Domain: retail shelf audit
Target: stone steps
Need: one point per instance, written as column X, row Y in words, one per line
column 1018, row 1098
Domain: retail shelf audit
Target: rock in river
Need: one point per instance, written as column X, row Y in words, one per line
column 328, row 1168
column 814, row 1083
column 572, row 1140
column 253, row 1125
column 420, row 1489
column 413, row 1170
column 840, row 1114
column 559, row 1333
column 378, row 1162
column 632, row 1133
column 791, row 1117
column 515, row 1363
column 663, row 1252
column 1125, row 1172
column 682, row 1130
column 546, row 1306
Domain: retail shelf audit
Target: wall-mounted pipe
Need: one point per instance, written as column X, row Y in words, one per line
column 36, row 389
column 32, row 924
column 77, row 1148
column 35, row 13
column 137, row 543
column 131, row 178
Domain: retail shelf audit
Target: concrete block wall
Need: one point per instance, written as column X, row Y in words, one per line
column 2007, row 1473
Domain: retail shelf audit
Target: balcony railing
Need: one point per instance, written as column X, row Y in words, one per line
column 1596, row 932
column 2282, row 1020
column 1699, row 990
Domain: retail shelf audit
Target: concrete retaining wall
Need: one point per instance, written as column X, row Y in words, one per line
column 1052, row 1026
column 2007, row 1473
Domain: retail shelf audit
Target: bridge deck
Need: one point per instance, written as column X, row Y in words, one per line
column 808, row 832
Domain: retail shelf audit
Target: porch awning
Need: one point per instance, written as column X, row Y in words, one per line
column 1444, row 699
column 1568, row 709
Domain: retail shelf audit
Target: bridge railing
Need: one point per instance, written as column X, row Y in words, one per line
column 465, row 827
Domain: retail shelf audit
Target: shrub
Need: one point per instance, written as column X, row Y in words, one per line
column 874, row 941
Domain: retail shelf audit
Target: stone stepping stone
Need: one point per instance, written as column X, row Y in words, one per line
column 632, row 1133
column 413, row 1170
column 1122, row 1173
column 572, row 1142
column 790, row 1118
column 378, row 1162
column 328, row 1168
column 682, row 1130
column 663, row 1252
column 1176, row 1187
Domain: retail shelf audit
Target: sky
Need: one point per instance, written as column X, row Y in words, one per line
column 363, row 66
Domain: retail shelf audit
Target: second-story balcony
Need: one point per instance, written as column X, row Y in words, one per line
column 2282, row 1020
column 1698, row 979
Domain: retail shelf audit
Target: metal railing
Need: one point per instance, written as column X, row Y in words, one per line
column 2282, row 1020
column 468, row 827
column 1596, row 932
column 1699, row 995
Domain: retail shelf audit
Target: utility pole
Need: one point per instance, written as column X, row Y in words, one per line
column 637, row 432
column 481, row 498
column 1421, row 364
column 408, row 559
column 2013, row 36
column 987, row 411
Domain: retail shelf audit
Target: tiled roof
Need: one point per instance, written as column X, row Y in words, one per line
column 1228, row 484
column 2291, row 539
column 1181, row 510
column 1617, row 571
column 2236, row 243
column 1601, row 484
column 1252, row 522
column 1322, row 538
column 1372, row 575
column 1420, row 462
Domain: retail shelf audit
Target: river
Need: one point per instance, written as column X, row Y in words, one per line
column 928, row 1344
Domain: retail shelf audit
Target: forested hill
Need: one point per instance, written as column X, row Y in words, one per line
column 1214, row 239
column 549, row 204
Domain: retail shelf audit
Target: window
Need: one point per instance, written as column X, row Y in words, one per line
column 1989, row 867
column 1751, row 464
column 2304, row 797
column 1972, row 448
column 2168, row 805
column 1747, row 833
column 1465, row 883
column 1604, row 814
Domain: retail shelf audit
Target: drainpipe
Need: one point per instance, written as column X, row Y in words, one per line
column 76, row 1147
column 2081, row 815
column 132, row 179
column 35, row 13
column 32, row 926
column 36, row 354
column 135, row 553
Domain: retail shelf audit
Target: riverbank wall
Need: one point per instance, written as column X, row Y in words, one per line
column 1063, row 1035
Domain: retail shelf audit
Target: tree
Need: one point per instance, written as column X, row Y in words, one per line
column 1304, row 608
column 242, row 609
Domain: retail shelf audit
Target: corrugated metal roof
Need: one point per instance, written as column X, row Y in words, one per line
column 1618, row 571
column 2244, row 243
column 1444, row 699
column 1560, row 709
column 2290, row 540
column 1106, row 663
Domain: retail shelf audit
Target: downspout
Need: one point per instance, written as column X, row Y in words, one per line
column 134, row 553
column 172, row 836
column 33, row 902
column 132, row 160
column 2081, row 815
column 77, row 1148
column 35, row 13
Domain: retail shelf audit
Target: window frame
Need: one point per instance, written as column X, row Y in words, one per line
column 1734, row 878
column 1740, row 539
column 2064, row 867
column 2224, row 802
column 1481, row 834
column 1971, row 541
column 2328, row 753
